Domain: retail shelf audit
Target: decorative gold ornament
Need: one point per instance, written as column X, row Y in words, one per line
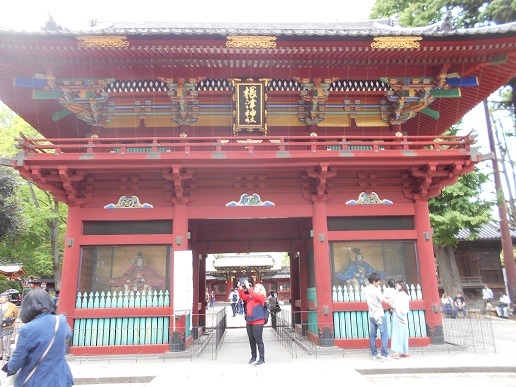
column 248, row 41
column 102, row 41
column 396, row 42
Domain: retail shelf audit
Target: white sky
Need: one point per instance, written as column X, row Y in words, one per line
column 32, row 14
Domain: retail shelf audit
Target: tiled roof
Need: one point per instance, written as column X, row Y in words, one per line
column 244, row 260
column 357, row 28
column 489, row 231
column 276, row 276
column 11, row 268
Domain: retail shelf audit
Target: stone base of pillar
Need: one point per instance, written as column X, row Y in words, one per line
column 436, row 334
column 326, row 337
column 177, row 343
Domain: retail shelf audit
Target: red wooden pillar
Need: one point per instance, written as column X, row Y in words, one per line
column 179, row 243
column 322, row 274
column 294, row 279
column 425, row 253
column 199, row 283
column 302, row 302
column 71, row 263
column 202, row 284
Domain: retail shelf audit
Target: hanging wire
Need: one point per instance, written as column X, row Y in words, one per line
column 368, row 62
column 153, row 93
column 347, row 92
column 420, row 114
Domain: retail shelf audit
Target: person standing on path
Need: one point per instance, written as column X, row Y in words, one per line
column 8, row 315
column 374, row 298
column 233, row 299
column 272, row 300
column 212, row 300
column 255, row 319
column 400, row 332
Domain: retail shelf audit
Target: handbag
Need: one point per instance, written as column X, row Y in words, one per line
column 8, row 321
column 8, row 380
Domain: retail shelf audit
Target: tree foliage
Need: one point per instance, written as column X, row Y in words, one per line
column 8, row 284
column 464, row 13
column 33, row 246
column 459, row 206
column 12, row 221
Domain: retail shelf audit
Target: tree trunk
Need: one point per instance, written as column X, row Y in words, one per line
column 448, row 270
column 53, row 225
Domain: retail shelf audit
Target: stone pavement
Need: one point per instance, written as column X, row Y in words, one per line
column 442, row 365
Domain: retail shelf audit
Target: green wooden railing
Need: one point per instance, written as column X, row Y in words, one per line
column 122, row 299
column 355, row 324
column 91, row 332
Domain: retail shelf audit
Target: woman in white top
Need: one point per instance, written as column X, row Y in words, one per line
column 447, row 302
column 400, row 331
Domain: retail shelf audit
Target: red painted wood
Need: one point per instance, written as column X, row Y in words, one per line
column 120, row 350
column 71, row 263
column 364, row 343
column 121, row 312
column 427, row 269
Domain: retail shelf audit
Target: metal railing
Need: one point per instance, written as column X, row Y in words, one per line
column 474, row 331
column 293, row 332
column 209, row 337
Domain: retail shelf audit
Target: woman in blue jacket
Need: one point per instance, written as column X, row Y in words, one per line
column 35, row 337
column 255, row 318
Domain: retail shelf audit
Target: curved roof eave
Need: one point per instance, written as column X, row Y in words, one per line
column 352, row 29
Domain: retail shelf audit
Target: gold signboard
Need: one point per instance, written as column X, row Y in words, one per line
column 386, row 42
column 102, row 41
column 250, row 111
column 251, row 41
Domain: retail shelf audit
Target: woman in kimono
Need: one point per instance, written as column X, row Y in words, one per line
column 400, row 331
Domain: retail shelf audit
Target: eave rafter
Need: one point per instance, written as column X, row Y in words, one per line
column 183, row 187
column 183, row 95
column 429, row 180
column 70, row 180
column 316, row 183
column 61, row 182
column 86, row 98
column 316, row 93
column 410, row 95
column 249, row 181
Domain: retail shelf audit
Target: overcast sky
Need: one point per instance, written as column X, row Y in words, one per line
column 32, row 14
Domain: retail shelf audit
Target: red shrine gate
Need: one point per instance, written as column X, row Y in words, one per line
column 171, row 144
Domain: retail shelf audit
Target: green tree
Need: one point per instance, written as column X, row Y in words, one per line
column 464, row 13
column 11, row 216
column 458, row 207
column 39, row 246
